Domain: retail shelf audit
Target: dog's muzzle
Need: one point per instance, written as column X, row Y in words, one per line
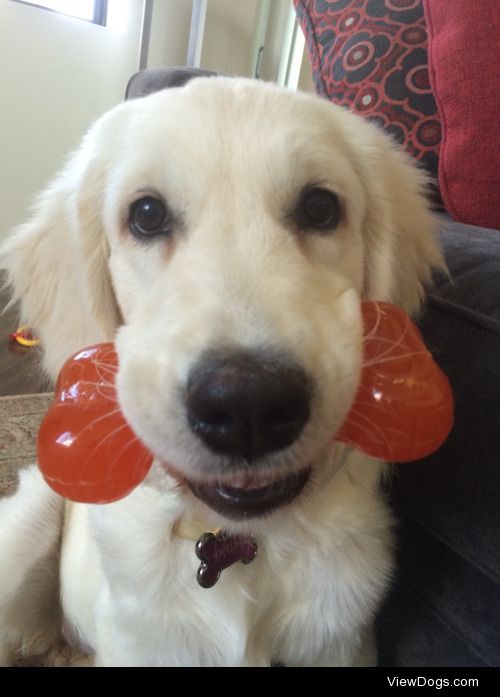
column 246, row 405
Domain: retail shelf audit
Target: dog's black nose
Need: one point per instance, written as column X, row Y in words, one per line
column 247, row 404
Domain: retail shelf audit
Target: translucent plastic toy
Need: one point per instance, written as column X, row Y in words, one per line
column 403, row 411
column 87, row 452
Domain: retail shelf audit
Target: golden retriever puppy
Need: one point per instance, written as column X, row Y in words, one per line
column 222, row 234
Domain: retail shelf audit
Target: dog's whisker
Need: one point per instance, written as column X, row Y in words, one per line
column 391, row 359
column 110, row 367
column 103, row 417
column 391, row 343
column 105, row 370
column 369, row 427
column 105, row 390
column 104, row 439
column 140, row 462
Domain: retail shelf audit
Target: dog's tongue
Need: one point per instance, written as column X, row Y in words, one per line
column 238, row 503
column 87, row 451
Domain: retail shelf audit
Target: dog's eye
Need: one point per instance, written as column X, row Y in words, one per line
column 148, row 217
column 318, row 209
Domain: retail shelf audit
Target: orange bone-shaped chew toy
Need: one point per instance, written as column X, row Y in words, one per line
column 87, row 452
column 403, row 411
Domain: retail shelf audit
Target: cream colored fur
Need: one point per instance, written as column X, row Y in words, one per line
column 230, row 157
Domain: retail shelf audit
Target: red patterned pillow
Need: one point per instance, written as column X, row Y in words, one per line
column 465, row 72
column 371, row 55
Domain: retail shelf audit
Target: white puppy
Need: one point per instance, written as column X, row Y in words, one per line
column 223, row 234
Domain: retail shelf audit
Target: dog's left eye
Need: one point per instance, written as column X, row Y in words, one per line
column 318, row 209
column 149, row 217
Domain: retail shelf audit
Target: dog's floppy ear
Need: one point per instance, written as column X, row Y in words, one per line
column 399, row 228
column 57, row 264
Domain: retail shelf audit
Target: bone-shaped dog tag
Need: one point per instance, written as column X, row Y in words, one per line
column 217, row 552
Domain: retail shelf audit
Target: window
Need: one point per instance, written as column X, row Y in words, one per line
column 90, row 10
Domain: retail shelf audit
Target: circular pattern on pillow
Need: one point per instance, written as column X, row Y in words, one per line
column 371, row 56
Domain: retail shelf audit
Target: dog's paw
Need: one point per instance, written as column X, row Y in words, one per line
column 64, row 656
column 59, row 656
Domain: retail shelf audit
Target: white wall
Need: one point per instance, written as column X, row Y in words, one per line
column 306, row 83
column 227, row 46
column 169, row 33
column 57, row 75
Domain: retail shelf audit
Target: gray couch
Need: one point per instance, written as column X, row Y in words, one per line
column 444, row 609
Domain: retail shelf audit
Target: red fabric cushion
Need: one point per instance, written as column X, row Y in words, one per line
column 371, row 55
column 464, row 57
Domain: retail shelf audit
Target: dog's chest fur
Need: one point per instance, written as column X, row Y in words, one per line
column 302, row 601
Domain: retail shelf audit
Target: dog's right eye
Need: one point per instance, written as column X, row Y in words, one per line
column 149, row 217
column 318, row 210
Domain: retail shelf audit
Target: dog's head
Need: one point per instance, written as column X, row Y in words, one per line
column 223, row 234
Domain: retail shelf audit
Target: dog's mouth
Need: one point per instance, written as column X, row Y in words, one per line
column 248, row 496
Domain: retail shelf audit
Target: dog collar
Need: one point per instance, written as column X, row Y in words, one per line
column 216, row 550
column 191, row 529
